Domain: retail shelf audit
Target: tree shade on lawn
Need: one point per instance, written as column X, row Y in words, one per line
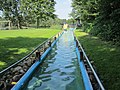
column 15, row 44
column 106, row 59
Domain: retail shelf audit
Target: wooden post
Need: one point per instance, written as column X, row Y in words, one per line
column 76, row 43
column 54, row 38
column 49, row 43
column 38, row 55
column 81, row 55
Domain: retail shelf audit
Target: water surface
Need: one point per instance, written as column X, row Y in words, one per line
column 60, row 69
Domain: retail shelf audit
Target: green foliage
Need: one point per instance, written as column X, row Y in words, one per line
column 57, row 26
column 41, row 10
column 56, row 23
column 24, row 12
column 99, row 17
column 107, row 25
column 71, row 21
column 11, row 11
column 86, row 10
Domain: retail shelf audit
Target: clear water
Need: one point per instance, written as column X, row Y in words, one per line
column 60, row 69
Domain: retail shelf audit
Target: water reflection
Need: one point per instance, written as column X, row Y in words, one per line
column 60, row 70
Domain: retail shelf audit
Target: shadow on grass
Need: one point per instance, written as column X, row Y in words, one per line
column 13, row 49
column 106, row 57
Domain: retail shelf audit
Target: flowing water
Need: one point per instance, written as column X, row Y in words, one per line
column 60, row 69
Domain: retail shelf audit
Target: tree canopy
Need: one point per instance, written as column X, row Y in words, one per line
column 99, row 17
column 27, row 11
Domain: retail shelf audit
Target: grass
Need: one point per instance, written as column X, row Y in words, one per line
column 15, row 44
column 106, row 58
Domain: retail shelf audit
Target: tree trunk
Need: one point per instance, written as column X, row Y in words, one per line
column 38, row 22
column 9, row 25
column 20, row 26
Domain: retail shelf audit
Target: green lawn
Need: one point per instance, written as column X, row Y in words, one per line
column 106, row 57
column 15, row 44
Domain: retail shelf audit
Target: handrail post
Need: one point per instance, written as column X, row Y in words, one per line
column 54, row 38
column 76, row 43
column 38, row 55
column 49, row 43
column 81, row 55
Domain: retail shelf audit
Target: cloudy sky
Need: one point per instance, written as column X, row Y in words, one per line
column 63, row 8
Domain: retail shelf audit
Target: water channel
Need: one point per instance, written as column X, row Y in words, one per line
column 60, row 69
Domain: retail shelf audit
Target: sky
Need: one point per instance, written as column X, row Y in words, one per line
column 0, row 13
column 63, row 8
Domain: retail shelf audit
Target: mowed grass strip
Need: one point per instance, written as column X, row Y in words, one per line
column 106, row 58
column 15, row 44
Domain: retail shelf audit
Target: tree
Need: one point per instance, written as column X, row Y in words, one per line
column 21, row 11
column 41, row 10
column 85, row 10
column 107, row 24
column 100, row 17
column 11, row 11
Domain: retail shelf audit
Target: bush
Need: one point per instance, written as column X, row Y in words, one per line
column 56, row 27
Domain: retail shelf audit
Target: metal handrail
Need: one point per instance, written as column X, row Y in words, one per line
column 88, row 61
column 13, row 65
